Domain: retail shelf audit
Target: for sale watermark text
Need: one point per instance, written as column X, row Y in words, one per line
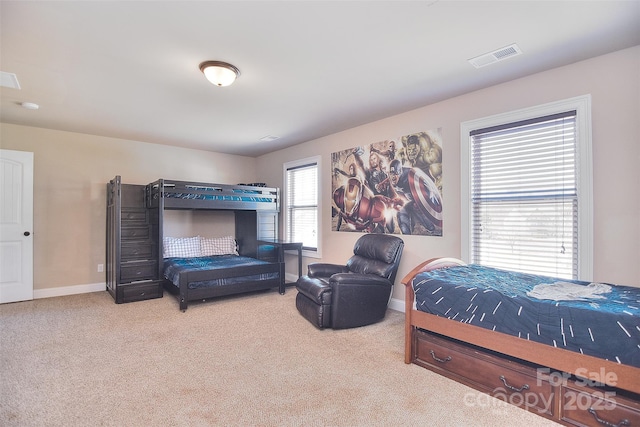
column 542, row 401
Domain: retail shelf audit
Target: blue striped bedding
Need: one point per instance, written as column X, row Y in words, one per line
column 173, row 267
column 604, row 325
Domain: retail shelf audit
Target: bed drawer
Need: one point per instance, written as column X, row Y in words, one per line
column 510, row 381
column 138, row 270
column 141, row 291
column 587, row 406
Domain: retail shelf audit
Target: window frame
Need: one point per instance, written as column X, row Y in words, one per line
column 285, row 198
column 582, row 106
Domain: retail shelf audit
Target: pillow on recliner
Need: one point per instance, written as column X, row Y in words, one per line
column 362, row 265
column 377, row 247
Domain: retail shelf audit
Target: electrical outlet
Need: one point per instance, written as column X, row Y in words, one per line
column 100, row 268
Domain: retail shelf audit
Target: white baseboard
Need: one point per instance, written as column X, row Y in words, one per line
column 394, row 304
column 397, row 305
column 68, row 290
column 290, row 277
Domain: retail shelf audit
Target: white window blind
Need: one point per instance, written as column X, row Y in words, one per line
column 302, row 205
column 524, row 196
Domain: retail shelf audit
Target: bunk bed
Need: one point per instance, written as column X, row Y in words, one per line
column 571, row 380
column 245, row 268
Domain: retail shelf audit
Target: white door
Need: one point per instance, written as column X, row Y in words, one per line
column 16, row 226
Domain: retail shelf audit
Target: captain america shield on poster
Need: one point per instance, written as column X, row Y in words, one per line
column 390, row 186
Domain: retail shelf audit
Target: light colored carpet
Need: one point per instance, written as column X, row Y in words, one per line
column 82, row 360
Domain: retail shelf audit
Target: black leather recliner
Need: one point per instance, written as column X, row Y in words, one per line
column 355, row 294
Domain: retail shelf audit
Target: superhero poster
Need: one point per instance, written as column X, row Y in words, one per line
column 391, row 186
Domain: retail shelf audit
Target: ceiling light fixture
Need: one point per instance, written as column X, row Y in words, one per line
column 219, row 73
column 29, row 105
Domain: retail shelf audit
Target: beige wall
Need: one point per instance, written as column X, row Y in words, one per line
column 613, row 81
column 72, row 169
column 71, row 173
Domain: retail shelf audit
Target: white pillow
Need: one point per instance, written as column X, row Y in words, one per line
column 218, row 246
column 182, row 247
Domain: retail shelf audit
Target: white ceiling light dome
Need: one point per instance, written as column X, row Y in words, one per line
column 219, row 73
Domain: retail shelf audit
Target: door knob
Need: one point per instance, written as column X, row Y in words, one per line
column 26, row 233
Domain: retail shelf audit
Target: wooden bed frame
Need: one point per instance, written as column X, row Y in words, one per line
column 622, row 377
column 250, row 203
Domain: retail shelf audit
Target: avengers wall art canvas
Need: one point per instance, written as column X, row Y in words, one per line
column 390, row 186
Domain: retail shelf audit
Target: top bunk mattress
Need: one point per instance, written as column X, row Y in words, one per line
column 599, row 320
column 195, row 195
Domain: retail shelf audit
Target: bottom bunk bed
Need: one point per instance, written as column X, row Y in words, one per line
column 574, row 359
column 208, row 268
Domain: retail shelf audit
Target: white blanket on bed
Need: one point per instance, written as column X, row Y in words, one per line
column 567, row 291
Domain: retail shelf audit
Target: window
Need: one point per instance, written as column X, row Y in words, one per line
column 527, row 190
column 302, row 204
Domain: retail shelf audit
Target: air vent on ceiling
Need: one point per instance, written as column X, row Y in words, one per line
column 495, row 56
column 9, row 80
column 269, row 138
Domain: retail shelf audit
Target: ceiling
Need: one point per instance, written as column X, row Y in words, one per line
column 129, row 69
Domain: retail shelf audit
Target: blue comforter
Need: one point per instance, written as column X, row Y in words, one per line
column 605, row 325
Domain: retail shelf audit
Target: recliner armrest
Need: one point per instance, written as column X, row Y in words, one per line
column 320, row 269
column 358, row 279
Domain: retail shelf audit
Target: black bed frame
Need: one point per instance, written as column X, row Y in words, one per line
column 251, row 204
column 211, row 196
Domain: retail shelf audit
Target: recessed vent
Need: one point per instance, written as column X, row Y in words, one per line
column 269, row 138
column 495, row 56
column 9, row 80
